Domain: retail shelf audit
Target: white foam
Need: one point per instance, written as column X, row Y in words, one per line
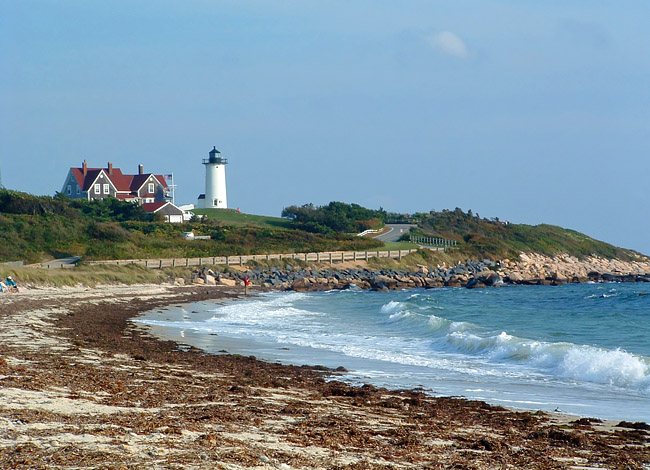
column 614, row 367
column 392, row 307
column 582, row 363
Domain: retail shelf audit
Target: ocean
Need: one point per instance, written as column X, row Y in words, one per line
column 582, row 349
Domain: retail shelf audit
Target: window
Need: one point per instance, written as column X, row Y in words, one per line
column 106, row 188
column 78, row 190
column 98, row 188
column 69, row 191
column 151, row 185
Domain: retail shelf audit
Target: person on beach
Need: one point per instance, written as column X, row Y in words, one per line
column 11, row 284
column 247, row 283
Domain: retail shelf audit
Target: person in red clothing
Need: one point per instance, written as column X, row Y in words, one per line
column 247, row 283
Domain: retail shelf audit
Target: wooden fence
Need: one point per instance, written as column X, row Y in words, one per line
column 327, row 257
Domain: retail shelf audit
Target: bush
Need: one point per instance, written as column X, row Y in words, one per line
column 107, row 232
column 336, row 216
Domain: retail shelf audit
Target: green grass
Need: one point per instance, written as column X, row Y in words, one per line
column 399, row 246
column 232, row 217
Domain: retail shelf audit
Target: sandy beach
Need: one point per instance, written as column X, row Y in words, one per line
column 82, row 387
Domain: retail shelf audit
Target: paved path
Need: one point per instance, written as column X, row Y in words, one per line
column 395, row 232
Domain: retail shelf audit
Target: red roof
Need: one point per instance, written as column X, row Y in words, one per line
column 153, row 206
column 123, row 183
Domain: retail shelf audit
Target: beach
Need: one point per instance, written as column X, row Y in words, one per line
column 83, row 387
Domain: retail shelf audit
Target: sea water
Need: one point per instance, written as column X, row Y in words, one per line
column 581, row 349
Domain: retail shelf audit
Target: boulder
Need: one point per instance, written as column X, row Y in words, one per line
column 387, row 281
column 301, row 285
column 198, row 280
column 227, row 282
column 361, row 284
column 489, row 278
column 514, row 277
column 179, row 281
column 432, row 283
column 474, row 283
column 379, row 286
column 559, row 278
column 209, row 280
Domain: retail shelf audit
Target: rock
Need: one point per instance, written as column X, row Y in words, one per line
column 301, row 285
column 198, row 280
column 474, row 283
column 433, row 283
column 389, row 282
column 179, row 281
column 559, row 278
column 593, row 275
column 489, row 278
column 209, row 280
column 361, row 284
column 514, row 277
column 379, row 286
column 227, row 282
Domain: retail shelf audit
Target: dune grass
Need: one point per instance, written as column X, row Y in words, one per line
column 91, row 276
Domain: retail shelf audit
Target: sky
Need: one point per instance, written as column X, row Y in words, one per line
column 533, row 112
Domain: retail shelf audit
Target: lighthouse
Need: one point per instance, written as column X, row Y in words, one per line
column 215, row 182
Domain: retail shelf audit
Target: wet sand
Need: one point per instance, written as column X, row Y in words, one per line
column 82, row 387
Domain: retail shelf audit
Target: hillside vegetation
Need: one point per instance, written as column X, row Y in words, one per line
column 37, row 228
column 479, row 237
column 334, row 217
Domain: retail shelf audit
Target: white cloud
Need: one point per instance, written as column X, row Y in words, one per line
column 448, row 43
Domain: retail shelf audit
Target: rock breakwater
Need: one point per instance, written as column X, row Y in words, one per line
column 530, row 269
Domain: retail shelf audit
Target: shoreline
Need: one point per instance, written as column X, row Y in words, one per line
column 528, row 269
column 192, row 325
column 79, row 381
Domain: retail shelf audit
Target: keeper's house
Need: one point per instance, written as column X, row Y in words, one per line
column 100, row 183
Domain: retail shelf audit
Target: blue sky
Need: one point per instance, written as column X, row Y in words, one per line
column 534, row 112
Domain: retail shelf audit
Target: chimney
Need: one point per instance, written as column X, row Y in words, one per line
column 84, row 167
column 110, row 168
column 140, row 169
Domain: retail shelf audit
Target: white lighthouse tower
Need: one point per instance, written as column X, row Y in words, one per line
column 215, row 182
